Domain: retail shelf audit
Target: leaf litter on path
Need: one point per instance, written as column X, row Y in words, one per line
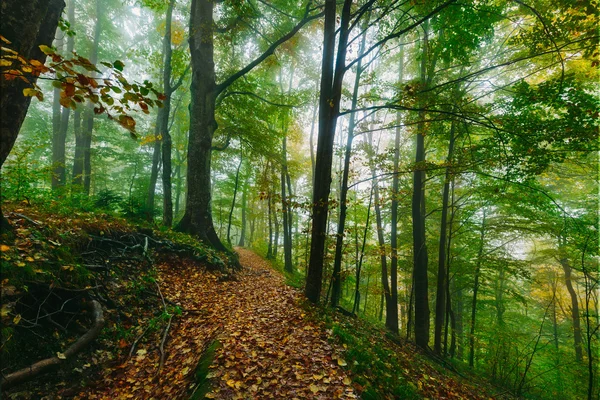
column 269, row 348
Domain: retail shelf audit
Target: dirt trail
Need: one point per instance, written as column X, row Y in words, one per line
column 268, row 347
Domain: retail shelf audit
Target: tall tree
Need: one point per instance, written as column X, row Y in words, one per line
column 197, row 219
column 329, row 107
column 418, row 214
column 27, row 25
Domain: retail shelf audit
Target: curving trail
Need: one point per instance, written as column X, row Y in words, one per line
column 269, row 348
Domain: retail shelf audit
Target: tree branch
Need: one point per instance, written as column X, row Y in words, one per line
column 305, row 19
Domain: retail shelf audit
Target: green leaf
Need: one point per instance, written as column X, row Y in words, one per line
column 118, row 65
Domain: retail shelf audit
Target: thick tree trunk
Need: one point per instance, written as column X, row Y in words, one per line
column 197, row 219
column 26, row 24
column 442, row 278
column 475, row 292
column 421, row 285
column 329, row 106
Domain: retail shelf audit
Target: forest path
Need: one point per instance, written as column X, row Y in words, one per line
column 268, row 348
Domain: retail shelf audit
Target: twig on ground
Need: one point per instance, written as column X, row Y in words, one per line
column 135, row 342
column 162, row 344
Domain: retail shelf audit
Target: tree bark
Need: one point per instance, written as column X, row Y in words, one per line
column 475, row 291
column 287, row 233
column 197, row 219
column 392, row 319
column 577, row 336
column 88, row 123
column 381, row 241
column 58, row 143
column 26, row 24
column 168, row 90
column 329, row 106
column 235, row 190
column 77, row 180
column 337, row 263
column 154, row 169
column 442, row 278
column 421, row 284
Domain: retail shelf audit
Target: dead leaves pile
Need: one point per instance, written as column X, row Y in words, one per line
column 269, row 348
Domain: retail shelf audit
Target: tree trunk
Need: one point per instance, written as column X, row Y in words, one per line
column 154, row 169
column 79, row 146
column 287, row 233
column 362, row 253
column 197, row 219
column 241, row 243
column 275, row 218
column 88, row 123
column 329, row 106
column 58, row 143
column 421, row 285
column 337, row 263
column 235, row 190
column 381, row 241
column 166, row 110
column 270, row 220
column 577, row 336
column 442, row 278
column 475, row 290
column 392, row 319
column 26, row 24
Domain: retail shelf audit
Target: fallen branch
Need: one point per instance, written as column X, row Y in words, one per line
column 136, row 342
column 39, row 367
column 162, row 344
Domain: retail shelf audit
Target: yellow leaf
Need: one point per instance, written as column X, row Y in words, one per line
column 61, row 355
column 17, row 319
column 29, row 92
column 4, row 248
column 46, row 50
column 341, row 362
column 185, row 370
column 5, row 63
column 5, row 310
column 313, row 388
column 231, row 383
column 347, row 381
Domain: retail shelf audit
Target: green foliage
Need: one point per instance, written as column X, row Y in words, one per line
column 373, row 366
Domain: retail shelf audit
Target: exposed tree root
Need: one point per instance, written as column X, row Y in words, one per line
column 39, row 367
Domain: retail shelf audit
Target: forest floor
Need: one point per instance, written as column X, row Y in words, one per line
column 263, row 344
column 177, row 327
